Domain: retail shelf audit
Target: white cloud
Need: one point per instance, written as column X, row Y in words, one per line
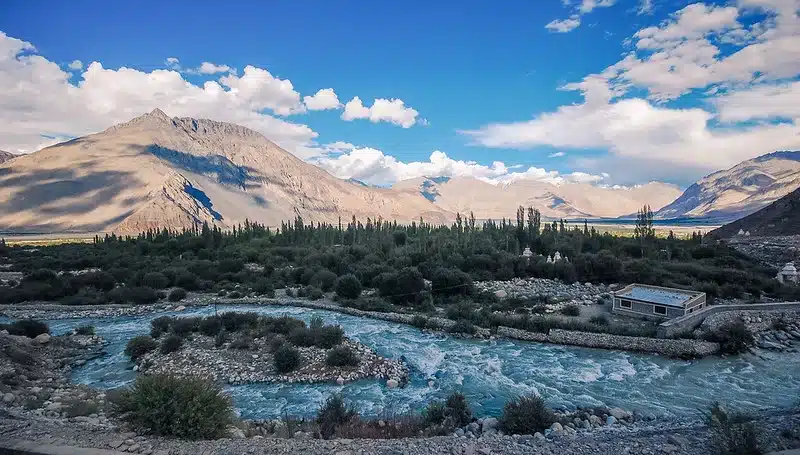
column 392, row 111
column 210, row 68
column 173, row 63
column 45, row 102
column 556, row 154
column 747, row 74
column 564, row 25
column 373, row 166
column 574, row 21
column 322, row 100
column 645, row 7
column 76, row 65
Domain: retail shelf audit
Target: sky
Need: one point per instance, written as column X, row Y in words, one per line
column 609, row 92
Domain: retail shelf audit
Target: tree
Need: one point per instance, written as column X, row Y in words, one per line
column 644, row 224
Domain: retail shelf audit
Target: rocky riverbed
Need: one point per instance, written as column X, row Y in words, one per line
column 777, row 331
column 555, row 292
column 199, row 357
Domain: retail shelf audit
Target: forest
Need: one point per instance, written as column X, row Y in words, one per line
column 394, row 258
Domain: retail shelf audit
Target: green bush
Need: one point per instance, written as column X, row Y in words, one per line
column 155, row 280
column 463, row 326
column 600, row 319
column 342, row 356
column 220, row 338
column 286, row 359
column 348, row 287
column 450, row 282
column 323, row 279
column 419, row 321
column 734, row 434
column 571, row 310
column 333, row 414
column 171, row 344
column 312, row 293
column 139, row 295
column 177, row 295
column 210, row 325
column 85, row 330
column 139, row 346
column 185, row 325
column 264, row 287
column 733, row 338
column 328, row 336
column 526, row 415
column 160, row 325
column 187, row 408
column 30, row 328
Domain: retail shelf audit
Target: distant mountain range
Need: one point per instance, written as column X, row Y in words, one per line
column 156, row 171
column 567, row 200
column 727, row 195
column 5, row 156
column 782, row 217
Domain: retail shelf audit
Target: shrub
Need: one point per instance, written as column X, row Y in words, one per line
column 600, row 319
column 313, row 293
column 139, row 295
column 171, row 344
column 155, row 280
column 571, row 310
column 328, row 336
column 242, row 342
column 210, row 326
column 342, row 356
column 348, row 287
column 450, row 282
column 419, row 321
column 286, row 359
column 302, row 336
column 85, row 330
column 220, row 338
column 264, row 287
column 188, row 408
column 139, row 346
column 177, row 295
column 186, row 325
column 323, row 279
column 463, row 326
column 77, row 408
column 733, row 338
column 235, row 295
column 160, row 325
column 526, row 415
column 30, row 328
column 333, row 414
column 733, row 434
column 458, row 409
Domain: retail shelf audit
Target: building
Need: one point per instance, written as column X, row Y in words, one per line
column 788, row 275
column 655, row 302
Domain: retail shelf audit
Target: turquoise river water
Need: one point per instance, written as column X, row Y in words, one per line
column 488, row 372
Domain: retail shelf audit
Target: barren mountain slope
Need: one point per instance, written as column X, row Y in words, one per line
column 157, row 171
column 569, row 200
column 738, row 191
column 782, row 217
column 5, row 156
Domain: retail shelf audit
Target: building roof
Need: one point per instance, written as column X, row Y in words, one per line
column 658, row 295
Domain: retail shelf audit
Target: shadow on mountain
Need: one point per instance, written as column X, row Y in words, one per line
column 62, row 192
column 203, row 199
column 223, row 169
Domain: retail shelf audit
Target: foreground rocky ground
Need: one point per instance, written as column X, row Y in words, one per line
column 686, row 438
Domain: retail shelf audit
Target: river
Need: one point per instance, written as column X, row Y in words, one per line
column 487, row 372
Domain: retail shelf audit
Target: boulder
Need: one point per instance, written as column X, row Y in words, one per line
column 236, row 432
column 611, row 420
column 489, row 423
column 340, row 380
column 500, row 294
column 619, row 413
column 556, row 428
column 392, row 383
column 42, row 338
column 8, row 398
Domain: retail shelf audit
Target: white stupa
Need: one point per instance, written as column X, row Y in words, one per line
column 527, row 253
column 788, row 275
column 557, row 256
column 549, row 259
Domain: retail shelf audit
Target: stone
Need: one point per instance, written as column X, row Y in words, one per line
column 556, row 428
column 500, row 294
column 619, row 413
column 459, row 432
column 611, row 420
column 489, row 423
column 392, row 383
column 235, row 432
column 485, row 451
column 679, row 441
column 133, row 448
column 538, row 436
column 116, row 444
column 474, row 427
column 301, row 435
column 8, row 398
column 42, row 338
column 340, row 380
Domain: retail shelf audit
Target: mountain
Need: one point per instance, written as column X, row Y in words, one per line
column 782, row 217
column 568, row 200
column 733, row 193
column 5, row 156
column 155, row 171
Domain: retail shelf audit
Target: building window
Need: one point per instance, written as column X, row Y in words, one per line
column 662, row 310
column 625, row 303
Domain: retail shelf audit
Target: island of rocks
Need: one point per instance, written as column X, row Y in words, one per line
column 242, row 348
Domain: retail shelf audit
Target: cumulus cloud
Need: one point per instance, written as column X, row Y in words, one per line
column 322, row 100
column 645, row 7
column 210, row 68
column 373, row 166
column 173, row 63
column 393, row 111
column 746, row 91
column 104, row 97
column 556, row 154
column 76, row 65
column 574, row 21
column 564, row 25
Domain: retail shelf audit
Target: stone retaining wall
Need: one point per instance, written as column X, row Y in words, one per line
column 670, row 348
column 668, row 329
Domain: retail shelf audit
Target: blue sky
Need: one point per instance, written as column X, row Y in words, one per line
column 487, row 81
